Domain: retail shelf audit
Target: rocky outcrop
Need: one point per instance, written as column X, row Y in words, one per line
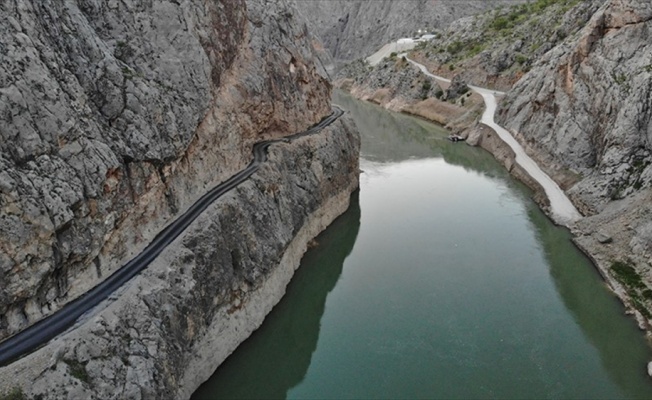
column 393, row 79
column 177, row 321
column 585, row 108
column 586, row 105
column 399, row 86
column 115, row 116
column 355, row 29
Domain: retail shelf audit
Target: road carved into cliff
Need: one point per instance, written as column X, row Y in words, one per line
column 562, row 211
column 40, row 333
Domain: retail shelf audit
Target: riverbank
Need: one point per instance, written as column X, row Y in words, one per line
column 442, row 263
column 397, row 98
column 211, row 287
column 607, row 237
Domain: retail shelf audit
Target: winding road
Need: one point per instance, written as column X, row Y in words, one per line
column 562, row 211
column 48, row 328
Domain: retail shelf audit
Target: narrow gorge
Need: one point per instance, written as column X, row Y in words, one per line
column 325, row 199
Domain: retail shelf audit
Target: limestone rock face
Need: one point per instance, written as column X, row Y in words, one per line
column 586, row 105
column 116, row 115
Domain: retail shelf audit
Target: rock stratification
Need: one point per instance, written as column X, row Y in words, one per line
column 115, row 116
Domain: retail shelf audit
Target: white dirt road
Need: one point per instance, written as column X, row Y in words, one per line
column 562, row 211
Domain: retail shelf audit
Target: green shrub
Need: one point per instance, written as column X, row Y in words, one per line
column 477, row 49
column 15, row 394
column 521, row 59
column 77, row 370
column 620, row 78
column 455, row 47
column 627, row 275
column 499, row 23
column 647, row 294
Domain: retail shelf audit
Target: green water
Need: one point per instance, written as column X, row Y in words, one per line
column 442, row 280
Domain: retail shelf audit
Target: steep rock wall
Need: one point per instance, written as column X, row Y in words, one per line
column 115, row 116
column 586, row 105
column 172, row 325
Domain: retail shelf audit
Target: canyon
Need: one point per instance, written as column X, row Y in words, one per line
column 116, row 117
column 353, row 29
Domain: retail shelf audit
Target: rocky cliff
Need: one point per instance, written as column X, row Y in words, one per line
column 114, row 118
column 355, row 29
column 586, row 104
column 172, row 325
column 585, row 108
column 495, row 49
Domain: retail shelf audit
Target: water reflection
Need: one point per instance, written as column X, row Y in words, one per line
column 514, row 312
column 391, row 137
column 622, row 347
column 282, row 347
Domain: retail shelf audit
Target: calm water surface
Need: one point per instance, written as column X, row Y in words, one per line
column 442, row 280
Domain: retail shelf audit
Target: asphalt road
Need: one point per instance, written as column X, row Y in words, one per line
column 48, row 328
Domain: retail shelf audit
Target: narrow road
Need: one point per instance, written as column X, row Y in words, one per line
column 48, row 328
column 562, row 211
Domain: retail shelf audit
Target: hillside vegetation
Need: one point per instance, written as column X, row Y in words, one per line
column 496, row 48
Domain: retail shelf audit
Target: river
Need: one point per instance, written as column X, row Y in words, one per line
column 442, row 280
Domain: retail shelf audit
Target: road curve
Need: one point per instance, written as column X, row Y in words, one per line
column 48, row 328
column 562, row 211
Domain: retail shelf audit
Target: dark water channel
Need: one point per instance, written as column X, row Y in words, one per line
column 442, row 280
